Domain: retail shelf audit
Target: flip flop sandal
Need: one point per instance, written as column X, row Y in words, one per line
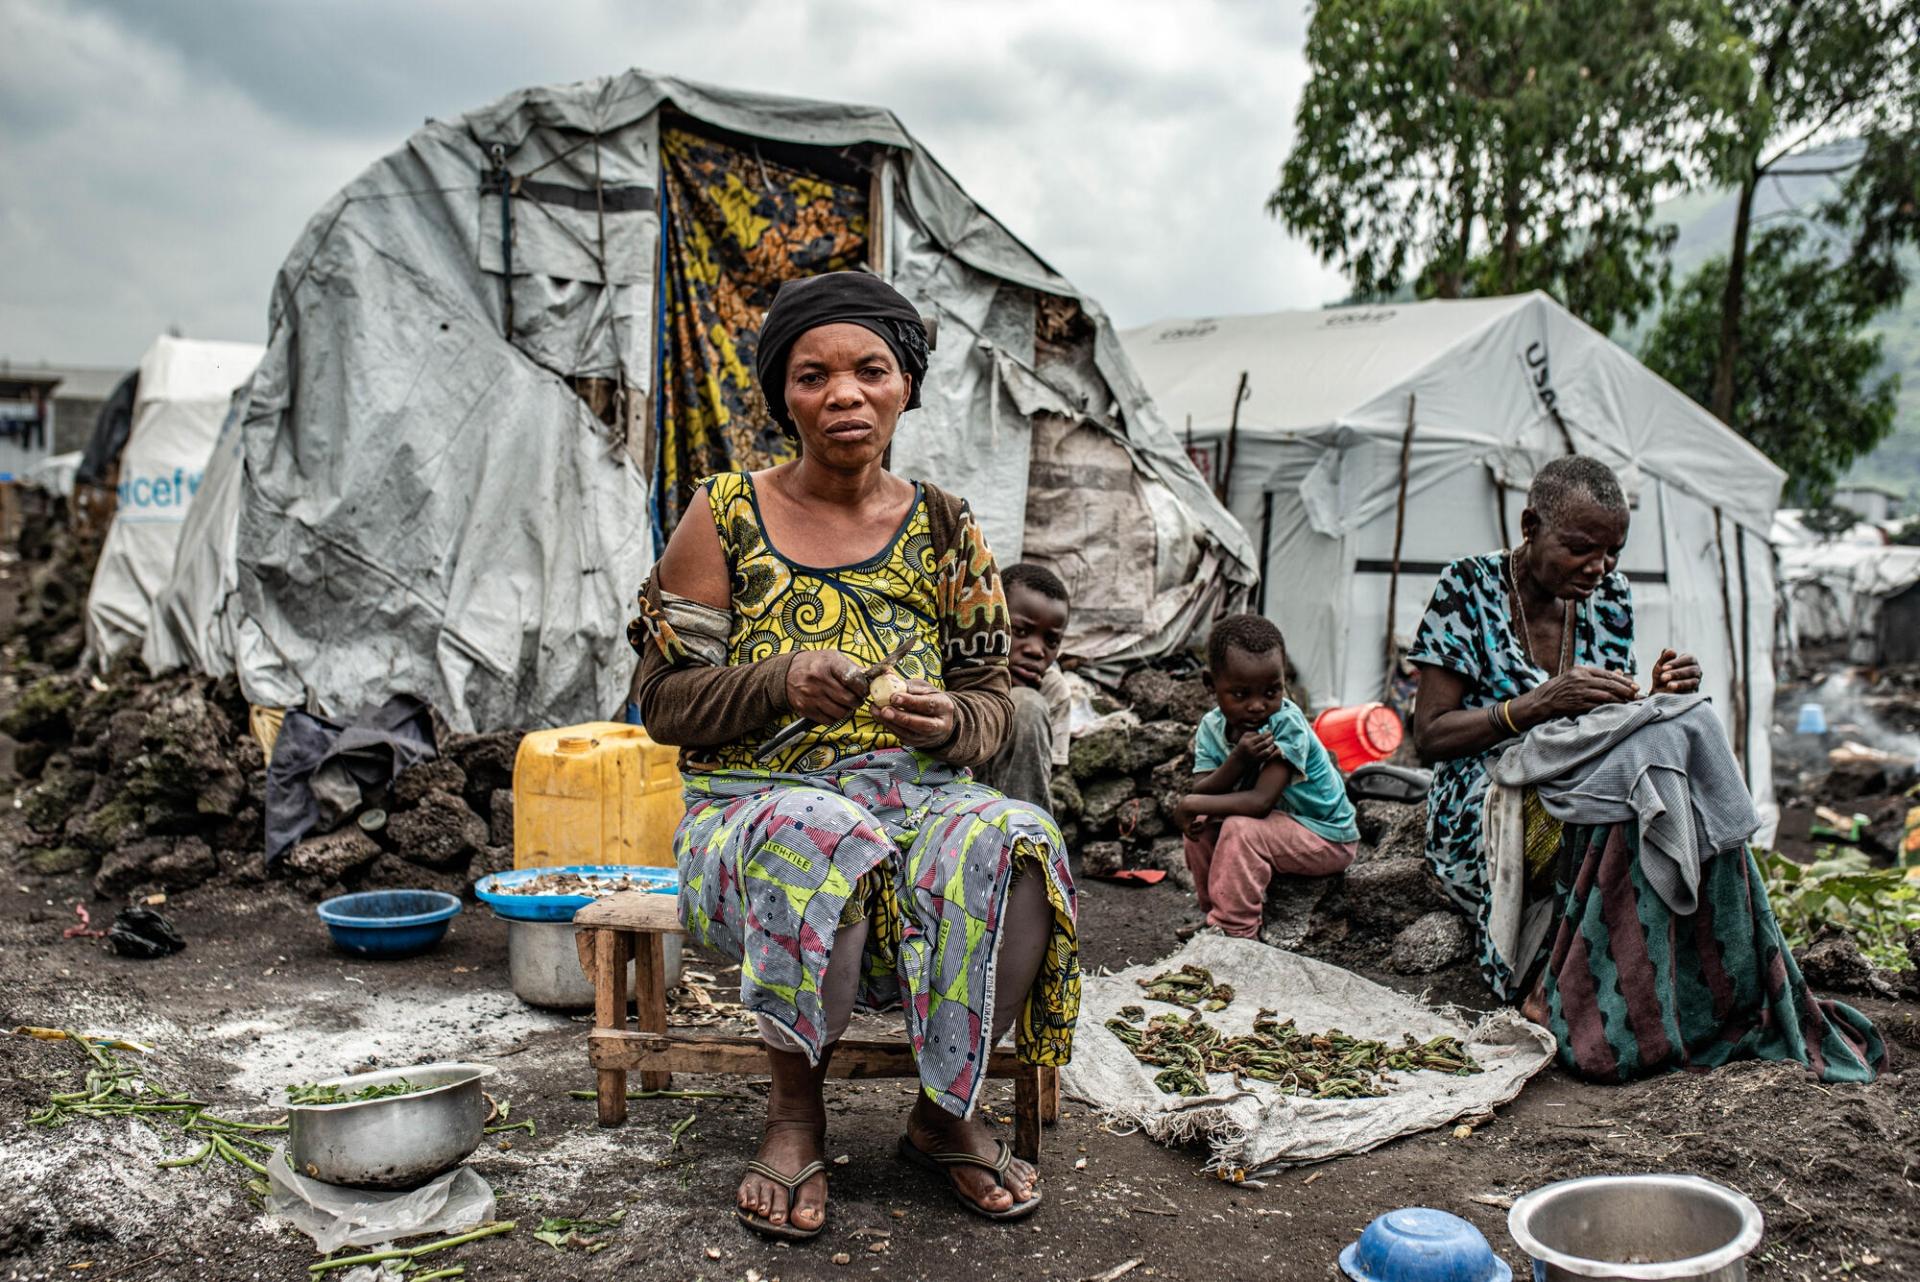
column 939, row 1164
column 791, row 1183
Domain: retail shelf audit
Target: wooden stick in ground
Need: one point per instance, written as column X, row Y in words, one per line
column 1026, row 1114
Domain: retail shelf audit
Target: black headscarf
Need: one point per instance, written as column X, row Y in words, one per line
column 837, row 298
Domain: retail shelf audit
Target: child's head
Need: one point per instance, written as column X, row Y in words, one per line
column 1247, row 669
column 1038, row 606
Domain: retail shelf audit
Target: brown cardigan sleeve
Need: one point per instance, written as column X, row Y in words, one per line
column 696, row 705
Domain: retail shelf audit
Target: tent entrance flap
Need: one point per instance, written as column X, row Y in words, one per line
column 740, row 223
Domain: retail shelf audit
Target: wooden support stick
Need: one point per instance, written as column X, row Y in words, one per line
column 1026, row 1114
column 610, row 1015
column 650, row 999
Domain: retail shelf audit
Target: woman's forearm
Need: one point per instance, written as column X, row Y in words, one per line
column 1467, row 732
column 701, row 706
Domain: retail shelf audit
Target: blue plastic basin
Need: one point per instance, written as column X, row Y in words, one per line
column 660, row 881
column 1420, row 1244
column 389, row 923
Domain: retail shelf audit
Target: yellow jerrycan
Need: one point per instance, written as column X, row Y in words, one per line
column 599, row 793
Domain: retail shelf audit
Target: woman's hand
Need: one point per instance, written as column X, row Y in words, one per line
column 1675, row 673
column 922, row 716
column 824, row 686
column 1575, row 692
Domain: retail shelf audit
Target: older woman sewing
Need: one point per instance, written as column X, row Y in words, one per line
column 857, row 864
column 1596, row 835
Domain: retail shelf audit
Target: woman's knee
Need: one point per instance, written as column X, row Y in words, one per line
column 786, row 825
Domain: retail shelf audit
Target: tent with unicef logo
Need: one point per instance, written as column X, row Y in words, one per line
column 185, row 386
column 1365, row 447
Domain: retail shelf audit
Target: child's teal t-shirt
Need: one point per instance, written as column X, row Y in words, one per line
column 1318, row 795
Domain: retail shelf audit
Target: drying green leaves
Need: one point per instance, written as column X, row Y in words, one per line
column 1191, row 986
column 561, row 1232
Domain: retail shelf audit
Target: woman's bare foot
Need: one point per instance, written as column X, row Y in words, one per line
column 794, row 1136
column 932, row 1129
column 1535, row 1006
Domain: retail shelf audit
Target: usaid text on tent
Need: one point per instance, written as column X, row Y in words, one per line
column 148, row 492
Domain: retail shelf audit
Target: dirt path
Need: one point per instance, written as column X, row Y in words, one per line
column 260, row 999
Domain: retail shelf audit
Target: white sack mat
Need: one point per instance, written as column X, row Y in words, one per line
column 1258, row 1125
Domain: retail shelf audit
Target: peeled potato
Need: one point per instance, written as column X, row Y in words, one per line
column 885, row 688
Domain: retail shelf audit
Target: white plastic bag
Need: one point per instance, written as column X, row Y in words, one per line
column 335, row 1217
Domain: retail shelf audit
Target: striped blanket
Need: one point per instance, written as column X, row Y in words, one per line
column 1634, row 989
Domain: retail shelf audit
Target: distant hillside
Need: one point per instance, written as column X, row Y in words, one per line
column 1705, row 220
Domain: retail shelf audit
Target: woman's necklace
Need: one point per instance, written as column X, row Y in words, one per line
column 1526, row 637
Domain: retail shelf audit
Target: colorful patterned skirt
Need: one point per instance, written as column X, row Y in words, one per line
column 1634, row 989
column 771, row 865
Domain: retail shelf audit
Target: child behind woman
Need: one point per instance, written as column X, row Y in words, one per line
column 1266, row 796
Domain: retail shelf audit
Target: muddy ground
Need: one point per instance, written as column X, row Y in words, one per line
column 260, row 999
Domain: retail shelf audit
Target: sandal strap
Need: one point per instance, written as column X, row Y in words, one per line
column 791, row 1183
column 1002, row 1159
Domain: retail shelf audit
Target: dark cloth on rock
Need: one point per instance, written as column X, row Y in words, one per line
column 316, row 760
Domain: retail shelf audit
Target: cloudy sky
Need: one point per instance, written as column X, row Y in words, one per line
column 161, row 157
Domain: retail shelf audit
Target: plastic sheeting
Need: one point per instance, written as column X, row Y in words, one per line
column 184, row 386
column 422, row 505
column 1495, row 388
column 1252, row 1124
column 335, row 1217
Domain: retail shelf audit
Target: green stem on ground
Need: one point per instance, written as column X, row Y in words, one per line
column 348, row 1261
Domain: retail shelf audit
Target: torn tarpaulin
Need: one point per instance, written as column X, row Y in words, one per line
column 321, row 769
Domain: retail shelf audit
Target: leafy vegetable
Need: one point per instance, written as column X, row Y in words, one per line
column 1876, row 906
column 308, row 1093
column 560, row 1232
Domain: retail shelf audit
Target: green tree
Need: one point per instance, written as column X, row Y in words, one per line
column 1820, row 69
column 1491, row 146
column 1810, row 393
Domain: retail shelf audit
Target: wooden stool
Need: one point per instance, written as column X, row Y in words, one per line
column 631, row 926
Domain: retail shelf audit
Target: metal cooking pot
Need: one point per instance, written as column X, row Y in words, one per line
column 1640, row 1228
column 544, row 965
column 399, row 1142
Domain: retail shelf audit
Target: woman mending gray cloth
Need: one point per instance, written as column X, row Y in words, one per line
column 1597, row 836
column 856, row 864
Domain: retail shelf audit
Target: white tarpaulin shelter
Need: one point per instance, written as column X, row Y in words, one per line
column 1475, row 395
column 446, row 478
column 1837, row 590
column 1250, row 1124
column 184, row 388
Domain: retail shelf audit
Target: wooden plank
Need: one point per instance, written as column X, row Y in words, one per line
column 747, row 1056
column 642, row 910
column 1049, row 1095
column 610, row 1016
column 1026, row 1113
column 650, row 1000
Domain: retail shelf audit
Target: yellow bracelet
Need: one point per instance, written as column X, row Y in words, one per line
column 1506, row 715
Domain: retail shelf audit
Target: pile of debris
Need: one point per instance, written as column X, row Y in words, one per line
column 158, row 785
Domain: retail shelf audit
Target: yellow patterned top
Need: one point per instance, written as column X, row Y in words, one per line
column 865, row 610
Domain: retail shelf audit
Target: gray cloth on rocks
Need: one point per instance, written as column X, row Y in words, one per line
column 1023, row 768
column 1663, row 760
column 322, row 769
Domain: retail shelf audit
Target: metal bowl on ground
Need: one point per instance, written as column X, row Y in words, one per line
column 389, row 923
column 1420, row 1244
column 396, row 1142
column 545, row 965
column 1639, row 1228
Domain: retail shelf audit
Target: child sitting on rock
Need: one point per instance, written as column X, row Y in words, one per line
column 1266, row 796
column 1037, row 741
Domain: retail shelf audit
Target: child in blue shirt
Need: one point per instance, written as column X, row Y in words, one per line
column 1266, row 796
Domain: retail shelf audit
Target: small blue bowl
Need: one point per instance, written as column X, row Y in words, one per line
column 1419, row 1244
column 389, row 923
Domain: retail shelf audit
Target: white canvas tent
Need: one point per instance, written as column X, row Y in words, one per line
column 1836, row 587
column 185, row 385
column 416, row 501
column 1476, row 395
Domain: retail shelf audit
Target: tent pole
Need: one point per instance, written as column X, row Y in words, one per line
column 1266, row 537
column 1733, row 644
column 1746, row 644
column 1225, row 486
column 1500, row 498
column 1399, row 538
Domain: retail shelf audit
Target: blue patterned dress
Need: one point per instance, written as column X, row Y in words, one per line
column 1469, row 629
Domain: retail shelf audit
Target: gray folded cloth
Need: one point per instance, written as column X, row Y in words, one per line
column 1663, row 760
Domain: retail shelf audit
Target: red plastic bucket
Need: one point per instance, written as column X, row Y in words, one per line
column 1361, row 734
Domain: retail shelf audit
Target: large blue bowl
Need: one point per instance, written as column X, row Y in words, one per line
column 660, row 881
column 389, row 923
column 1419, row 1244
